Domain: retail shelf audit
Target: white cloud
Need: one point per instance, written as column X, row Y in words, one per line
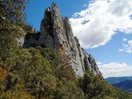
column 124, row 39
column 126, row 47
column 115, row 70
column 95, row 25
column 99, row 63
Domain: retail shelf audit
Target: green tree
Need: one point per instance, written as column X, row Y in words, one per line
column 13, row 9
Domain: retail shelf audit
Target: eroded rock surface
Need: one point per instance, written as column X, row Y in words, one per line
column 56, row 33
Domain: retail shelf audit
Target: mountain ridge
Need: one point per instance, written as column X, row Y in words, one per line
column 114, row 80
column 125, row 85
column 40, row 70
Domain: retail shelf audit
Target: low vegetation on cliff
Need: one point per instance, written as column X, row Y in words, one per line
column 42, row 73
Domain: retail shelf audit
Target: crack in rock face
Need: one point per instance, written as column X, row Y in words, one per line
column 56, row 33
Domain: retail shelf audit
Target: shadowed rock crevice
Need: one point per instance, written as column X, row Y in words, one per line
column 31, row 40
column 47, row 22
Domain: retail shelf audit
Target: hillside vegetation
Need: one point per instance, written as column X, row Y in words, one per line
column 40, row 73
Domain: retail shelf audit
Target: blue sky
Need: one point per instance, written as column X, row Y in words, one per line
column 110, row 52
column 104, row 29
column 35, row 9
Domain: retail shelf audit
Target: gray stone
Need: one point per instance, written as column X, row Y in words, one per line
column 56, row 33
column 31, row 40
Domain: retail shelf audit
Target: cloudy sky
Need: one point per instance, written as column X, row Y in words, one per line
column 103, row 27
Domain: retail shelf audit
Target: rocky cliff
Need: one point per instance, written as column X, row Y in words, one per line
column 56, row 33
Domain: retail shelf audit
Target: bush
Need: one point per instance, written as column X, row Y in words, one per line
column 13, row 9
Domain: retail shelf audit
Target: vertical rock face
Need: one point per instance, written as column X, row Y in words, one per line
column 56, row 33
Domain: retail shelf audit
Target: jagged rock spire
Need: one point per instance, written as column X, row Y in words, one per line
column 56, row 33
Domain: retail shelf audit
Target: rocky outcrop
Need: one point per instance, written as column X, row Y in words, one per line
column 56, row 33
column 31, row 40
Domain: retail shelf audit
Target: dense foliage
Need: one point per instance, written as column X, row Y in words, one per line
column 13, row 10
column 35, row 72
column 95, row 87
column 40, row 73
